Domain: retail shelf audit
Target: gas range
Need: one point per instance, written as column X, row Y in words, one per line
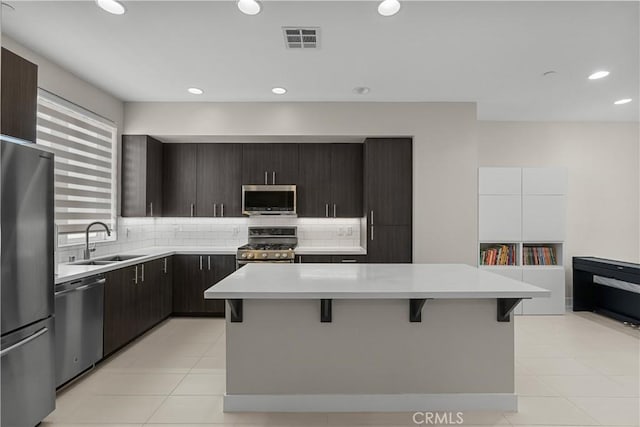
column 268, row 244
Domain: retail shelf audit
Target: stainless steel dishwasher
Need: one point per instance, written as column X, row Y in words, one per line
column 78, row 326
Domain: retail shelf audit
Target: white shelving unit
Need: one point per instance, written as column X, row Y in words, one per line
column 525, row 207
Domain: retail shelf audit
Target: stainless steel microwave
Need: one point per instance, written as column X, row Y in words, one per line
column 269, row 199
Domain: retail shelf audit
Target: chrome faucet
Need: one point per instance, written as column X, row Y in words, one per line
column 87, row 251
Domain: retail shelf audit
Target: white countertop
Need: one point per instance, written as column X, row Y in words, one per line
column 368, row 281
column 67, row 272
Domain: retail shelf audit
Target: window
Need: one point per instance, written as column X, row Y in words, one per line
column 83, row 144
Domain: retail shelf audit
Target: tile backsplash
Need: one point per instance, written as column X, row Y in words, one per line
column 136, row 233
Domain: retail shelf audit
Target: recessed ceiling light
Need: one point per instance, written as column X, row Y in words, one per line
column 361, row 90
column 623, row 101
column 249, row 7
column 195, row 91
column 111, row 6
column 279, row 90
column 598, row 75
column 389, row 7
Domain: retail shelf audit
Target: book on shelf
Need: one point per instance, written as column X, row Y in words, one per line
column 498, row 255
column 539, row 255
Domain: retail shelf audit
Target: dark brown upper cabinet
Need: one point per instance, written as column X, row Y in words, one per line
column 388, row 194
column 388, row 181
column 314, row 180
column 270, row 164
column 179, row 179
column 346, row 181
column 219, row 180
column 330, row 180
column 141, row 176
column 19, row 102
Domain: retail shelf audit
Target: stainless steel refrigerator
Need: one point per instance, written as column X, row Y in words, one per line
column 27, row 352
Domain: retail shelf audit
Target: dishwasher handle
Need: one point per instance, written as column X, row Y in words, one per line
column 82, row 287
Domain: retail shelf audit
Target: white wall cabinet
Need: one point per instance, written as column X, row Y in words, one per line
column 546, row 181
column 526, row 206
column 543, row 218
column 551, row 278
column 500, row 218
column 499, row 181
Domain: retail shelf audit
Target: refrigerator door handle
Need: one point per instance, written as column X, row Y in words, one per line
column 24, row 341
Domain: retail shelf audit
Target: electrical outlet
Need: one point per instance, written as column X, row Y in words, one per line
column 236, row 231
column 349, row 231
column 341, row 231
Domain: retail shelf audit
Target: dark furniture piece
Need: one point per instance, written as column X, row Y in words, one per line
column 19, row 101
column 141, row 176
column 192, row 275
column 618, row 298
column 269, row 163
column 388, row 199
column 179, row 179
column 133, row 303
column 219, row 180
column 330, row 180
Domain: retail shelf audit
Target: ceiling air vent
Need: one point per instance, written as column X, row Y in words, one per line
column 301, row 38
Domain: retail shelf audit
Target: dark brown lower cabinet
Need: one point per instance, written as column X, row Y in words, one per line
column 192, row 275
column 166, row 287
column 133, row 302
column 389, row 244
column 120, row 310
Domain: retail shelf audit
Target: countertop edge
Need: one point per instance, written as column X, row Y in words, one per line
column 161, row 252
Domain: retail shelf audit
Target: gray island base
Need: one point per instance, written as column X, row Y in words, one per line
column 369, row 337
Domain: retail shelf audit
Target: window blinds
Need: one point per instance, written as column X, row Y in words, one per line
column 83, row 144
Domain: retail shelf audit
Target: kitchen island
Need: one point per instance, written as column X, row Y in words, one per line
column 369, row 337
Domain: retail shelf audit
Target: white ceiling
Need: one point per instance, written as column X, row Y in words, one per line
column 493, row 53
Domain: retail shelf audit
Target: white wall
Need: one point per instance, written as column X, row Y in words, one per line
column 445, row 155
column 603, row 163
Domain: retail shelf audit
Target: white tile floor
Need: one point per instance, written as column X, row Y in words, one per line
column 577, row 369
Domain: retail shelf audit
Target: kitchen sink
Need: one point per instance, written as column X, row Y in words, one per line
column 106, row 260
column 117, row 258
column 93, row 262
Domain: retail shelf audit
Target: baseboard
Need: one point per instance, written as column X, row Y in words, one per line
column 370, row 402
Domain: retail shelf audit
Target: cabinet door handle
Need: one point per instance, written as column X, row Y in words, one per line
column 151, row 208
column 335, row 215
column 266, row 179
column 215, row 209
column 142, row 276
column 273, row 177
column 372, row 233
column 200, row 262
column 165, row 266
column 326, row 210
column 135, row 276
column 372, row 217
column 222, row 209
column 348, row 260
column 209, row 261
column 193, row 208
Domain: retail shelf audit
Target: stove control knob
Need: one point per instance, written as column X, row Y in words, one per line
column 284, row 255
column 264, row 255
column 250, row 256
column 277, row 255
column 244, row 255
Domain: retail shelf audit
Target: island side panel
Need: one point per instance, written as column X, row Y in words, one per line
column 370, row 347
